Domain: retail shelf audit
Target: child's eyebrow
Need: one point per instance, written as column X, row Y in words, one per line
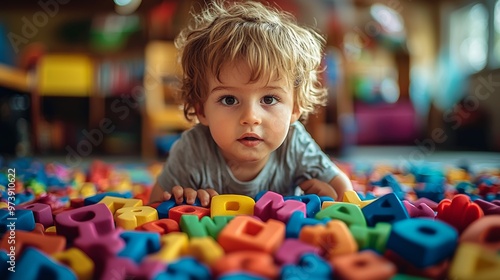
column 219, row 88
column 274, row 88
column 224, row 88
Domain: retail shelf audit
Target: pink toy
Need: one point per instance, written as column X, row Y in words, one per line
column 272, row 206
column 418, row 210
column 124, row 268
column 90, row 221
column 489, row 208
column 292, row 250
column 41, row 212
column 432, row 204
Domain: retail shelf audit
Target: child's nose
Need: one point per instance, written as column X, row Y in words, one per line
column 251, row 115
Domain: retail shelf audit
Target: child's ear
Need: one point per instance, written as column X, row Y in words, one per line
column 200, row 114
column 295, row 114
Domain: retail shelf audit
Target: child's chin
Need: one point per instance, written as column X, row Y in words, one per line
column 251, row 158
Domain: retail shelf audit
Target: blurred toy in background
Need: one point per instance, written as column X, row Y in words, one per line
column 6, row 51
column 112, row 32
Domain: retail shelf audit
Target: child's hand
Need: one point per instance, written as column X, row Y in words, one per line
column 204, row 195
column 320, row 188
column 335, row 188
column 178, row 192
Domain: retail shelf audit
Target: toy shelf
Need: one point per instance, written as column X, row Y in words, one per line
column 14, row 79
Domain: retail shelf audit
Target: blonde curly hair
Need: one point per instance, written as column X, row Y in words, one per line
column 269, row 40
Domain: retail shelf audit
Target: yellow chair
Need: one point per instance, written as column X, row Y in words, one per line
column 161, row 112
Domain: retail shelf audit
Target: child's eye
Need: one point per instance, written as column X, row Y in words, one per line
column 270, row 99
column 228, row 100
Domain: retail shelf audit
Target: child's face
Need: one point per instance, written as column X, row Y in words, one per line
column 247, row 120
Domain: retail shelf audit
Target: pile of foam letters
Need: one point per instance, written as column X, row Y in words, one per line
column 421, row 222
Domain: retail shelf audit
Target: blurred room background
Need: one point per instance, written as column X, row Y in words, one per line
column 95, row 78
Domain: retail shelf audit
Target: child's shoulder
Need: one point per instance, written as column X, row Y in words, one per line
column 297, row 129
column 298, row 135
column 296, row 132
column 197, row 136
column 297, row 125
column 198, row 133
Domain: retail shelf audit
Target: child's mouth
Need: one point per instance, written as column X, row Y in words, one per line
column 250, row 141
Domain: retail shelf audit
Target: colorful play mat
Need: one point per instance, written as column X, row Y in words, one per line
column 425, row 221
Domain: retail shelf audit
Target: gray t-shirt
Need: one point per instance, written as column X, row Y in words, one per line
column 196, row 162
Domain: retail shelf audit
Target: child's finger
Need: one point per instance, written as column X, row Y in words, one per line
column 190, row 195
column 204, row 197
column 178, row 193
column 166, row 196
column 314, row 186
column 212, row 193
column 323, row 190
column 328, row 192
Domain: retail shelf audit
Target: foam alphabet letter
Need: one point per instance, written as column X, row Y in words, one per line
column 348, row 213
column 185, row 268
column 363, row 265
column 195, row 227
column 173, row 245
column 161, row 226
column 459, row 212
column 422, row 241
column 484, row 231
column 374, row 238
column 312, row 201
column 353, row 197
column 115, row 203
column 176, row 212
column 310, row 266
column 205, row 249
column 90, row 221
column 24, row 220
column 258, row 263
column 80, row 263
column 297, row 221
column 292, row 249
column 48, row 244
column 272, row 206
column 41, row 212
column 334, row 239
column 231, row 205
column 131, row 217
column 248, row 233
column 139, row 244
column 34, row 263
column 387, row 208
column 473, row 261
column 164, row 207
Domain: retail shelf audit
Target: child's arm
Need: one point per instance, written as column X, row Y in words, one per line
column 335, row 188
column 156, row 194
column 204, row 195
